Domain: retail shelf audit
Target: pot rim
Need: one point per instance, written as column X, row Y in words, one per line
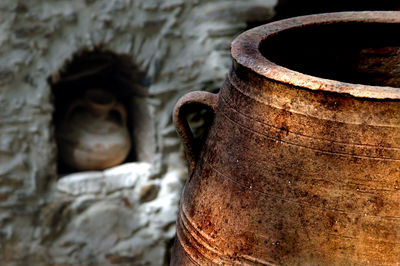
column 245, row 51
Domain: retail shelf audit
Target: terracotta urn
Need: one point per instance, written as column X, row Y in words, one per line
column 301, row 163
column 94, row 134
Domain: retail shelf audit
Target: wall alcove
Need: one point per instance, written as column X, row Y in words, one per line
column 113, row 75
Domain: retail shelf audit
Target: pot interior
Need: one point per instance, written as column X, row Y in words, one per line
column 354, row 52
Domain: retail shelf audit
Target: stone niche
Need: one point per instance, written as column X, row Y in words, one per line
column 116, row 210
column 116, row 75
column 148, row 53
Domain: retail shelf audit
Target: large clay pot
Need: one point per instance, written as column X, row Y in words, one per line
column 94, row 134
column 301, row 165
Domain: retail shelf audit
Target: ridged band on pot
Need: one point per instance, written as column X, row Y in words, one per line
column 299, row 169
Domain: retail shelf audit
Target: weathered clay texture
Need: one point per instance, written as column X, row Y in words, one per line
column 125, row 214
column 301, row 165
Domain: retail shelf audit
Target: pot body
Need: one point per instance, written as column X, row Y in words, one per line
column 291, row 176
column 94, row 136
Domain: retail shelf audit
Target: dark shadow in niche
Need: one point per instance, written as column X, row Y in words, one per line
column 114, row 74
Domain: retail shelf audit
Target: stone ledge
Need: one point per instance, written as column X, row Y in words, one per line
column 104, row 182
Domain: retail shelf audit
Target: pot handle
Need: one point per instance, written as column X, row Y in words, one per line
column 202, row 98
column 120, row 108
column 75, row 104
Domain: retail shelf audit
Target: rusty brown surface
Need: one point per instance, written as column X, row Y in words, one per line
column 298, row 169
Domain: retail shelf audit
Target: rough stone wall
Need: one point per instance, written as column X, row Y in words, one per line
column 124, row 215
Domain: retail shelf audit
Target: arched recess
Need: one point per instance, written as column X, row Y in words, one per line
column 116, row 74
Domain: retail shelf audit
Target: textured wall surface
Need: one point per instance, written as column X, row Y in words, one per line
column 123, row 215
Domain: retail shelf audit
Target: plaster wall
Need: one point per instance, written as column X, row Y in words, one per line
column 124, row 215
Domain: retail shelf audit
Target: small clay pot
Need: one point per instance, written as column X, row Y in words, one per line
column 93, row 134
